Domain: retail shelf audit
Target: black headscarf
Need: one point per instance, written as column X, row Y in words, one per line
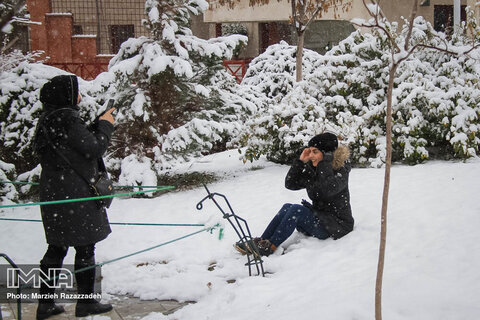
column 59, row 97
column 60, row 92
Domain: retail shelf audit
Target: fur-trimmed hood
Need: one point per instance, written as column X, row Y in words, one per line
column 340, row 156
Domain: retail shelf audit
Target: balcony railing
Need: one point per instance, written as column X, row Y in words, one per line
column 237, row 68
column 89, row 71
column 86, row 71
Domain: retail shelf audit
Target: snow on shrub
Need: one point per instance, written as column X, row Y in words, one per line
column 8, row 193
column 137, row 172
column 176, row 101
column 273, row 72
column 435, row 109
column 20, row 109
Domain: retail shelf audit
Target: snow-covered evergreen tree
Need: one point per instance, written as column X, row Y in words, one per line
column 177, row 99
column 19, row 111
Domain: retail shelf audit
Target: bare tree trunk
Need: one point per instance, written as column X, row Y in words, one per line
column 386, row 187
column 300, row 42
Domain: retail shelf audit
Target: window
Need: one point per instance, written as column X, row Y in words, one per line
column 274, row 32
column 119, row 34
column 320, row 36
column 443, row 17
column 77, row 29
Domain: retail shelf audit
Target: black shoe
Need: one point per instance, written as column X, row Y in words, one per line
column 85, row 308
column 46, row 310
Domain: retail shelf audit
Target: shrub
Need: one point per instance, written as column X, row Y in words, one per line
column 435, row 112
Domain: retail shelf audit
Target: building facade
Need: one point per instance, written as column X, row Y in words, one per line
column 269, row 23
column 81, row 36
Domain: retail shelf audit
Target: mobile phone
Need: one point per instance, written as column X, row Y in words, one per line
column 110, row 105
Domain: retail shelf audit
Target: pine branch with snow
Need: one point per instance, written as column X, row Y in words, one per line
column 8, row 193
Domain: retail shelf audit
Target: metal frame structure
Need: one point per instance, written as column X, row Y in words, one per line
column 19, row 290
column 241, row 229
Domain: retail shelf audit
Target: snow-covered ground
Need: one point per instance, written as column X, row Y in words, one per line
column 432, row 261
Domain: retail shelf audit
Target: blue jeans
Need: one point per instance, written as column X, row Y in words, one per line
column 293, row 216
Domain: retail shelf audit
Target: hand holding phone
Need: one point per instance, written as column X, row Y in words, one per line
column 110, row 104
column 107, row 116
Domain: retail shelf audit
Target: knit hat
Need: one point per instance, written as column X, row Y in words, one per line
column 325, row 142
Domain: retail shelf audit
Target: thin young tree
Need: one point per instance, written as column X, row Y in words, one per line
column 302, row 15
column 401, row 48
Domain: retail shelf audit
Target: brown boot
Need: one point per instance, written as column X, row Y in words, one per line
column 247, row 246
column 266, row 248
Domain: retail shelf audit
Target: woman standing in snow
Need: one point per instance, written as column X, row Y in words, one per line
column 322, row 169
column 62, row 136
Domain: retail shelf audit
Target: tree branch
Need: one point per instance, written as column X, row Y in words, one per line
column 314, row 15
column 413, row 15
column 11, row 13
column 294, row 12
column 378, row 26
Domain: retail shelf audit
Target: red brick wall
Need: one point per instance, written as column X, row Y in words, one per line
column 38, row 33
column 54, row 36
column 84, row 48
column 59, row 37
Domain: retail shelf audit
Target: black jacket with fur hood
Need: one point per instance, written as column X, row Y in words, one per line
column 327, row 187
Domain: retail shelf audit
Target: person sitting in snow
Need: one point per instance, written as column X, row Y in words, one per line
column 322, row 169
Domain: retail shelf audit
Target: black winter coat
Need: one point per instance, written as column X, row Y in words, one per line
column 327, row 187
column 75, row 223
